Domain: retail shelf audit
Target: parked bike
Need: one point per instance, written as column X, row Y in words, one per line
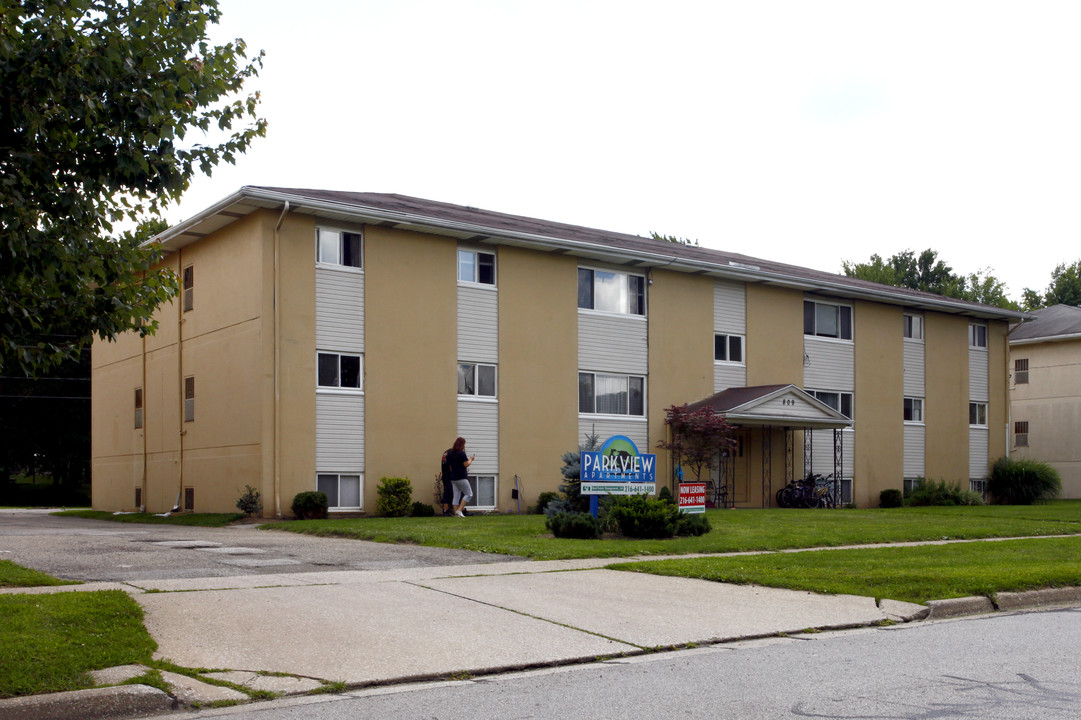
column 813, row 491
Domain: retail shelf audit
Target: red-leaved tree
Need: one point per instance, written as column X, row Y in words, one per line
column 695, row 435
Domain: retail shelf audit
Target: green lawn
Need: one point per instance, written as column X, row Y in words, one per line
column 913, row 574
column 12, row 575
column 199, row 519
column 733, row 530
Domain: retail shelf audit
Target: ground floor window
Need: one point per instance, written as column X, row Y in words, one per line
column 342, row 490
column 846, row 491
column 483, row 492
column 978, row 486
column 911, row 483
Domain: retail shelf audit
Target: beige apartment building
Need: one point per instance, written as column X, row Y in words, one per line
column 1045, row 392
column 324, row 340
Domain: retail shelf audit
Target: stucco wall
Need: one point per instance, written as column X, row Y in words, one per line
column 879, row 402
column 946, row 405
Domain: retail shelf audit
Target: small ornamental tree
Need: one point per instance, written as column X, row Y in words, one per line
column 695, row 435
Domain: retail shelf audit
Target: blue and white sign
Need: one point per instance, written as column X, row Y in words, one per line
column 618, row 469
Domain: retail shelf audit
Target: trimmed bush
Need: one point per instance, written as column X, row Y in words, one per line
column 544, row 499
column 692, row 524
column 666, row 495
column 639, row 516
column 310, row 505
column 582, row 526
column 1022, row 482
column 929, row 492
column 423, row 510
column 395, row 497
column 891, row 498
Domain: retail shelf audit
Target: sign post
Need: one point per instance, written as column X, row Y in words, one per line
column 617, row 469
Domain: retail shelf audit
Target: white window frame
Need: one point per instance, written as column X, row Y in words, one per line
column 1020, row 371
column 913, row 411
column 475, row 370
column 912, row 327
column 727, row 341
column 977, row 336
column 474, row 484
column 475, row 266
column 338, row 476
column 610, row 376
column 977, row 406
column 359, row 389
column 187, row 283
column 1020, row 433
column 841, row 394
column 326, row 259
column 634, row 303
column 839, row 337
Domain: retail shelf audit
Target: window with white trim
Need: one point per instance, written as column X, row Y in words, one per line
column 1020, row 371
column 827, row 320
column 1020, row 433
column 839, row 401
column 611, row 291
column 913, row 410
column 728, row 348
column 475, row 266
column 977, row 336
column 476, row 380
column 977, row 414
column 188, row 284
column 603, row 394
column 484, row 487
column 342, row 490
column 913, row 327
column 338, row 247
column 340, row 371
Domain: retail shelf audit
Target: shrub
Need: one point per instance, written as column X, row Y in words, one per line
column 1022, row 482
column 578, row 525
column 639, row 516
column 692, row 524
column 423, row 510
column 250, row 502
column 929, row 492
column 666, row 495
column 395, row 496
column 544, row 499
column 891, row 498
column 311, row 505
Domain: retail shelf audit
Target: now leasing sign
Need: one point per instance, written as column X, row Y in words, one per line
column 618, row 469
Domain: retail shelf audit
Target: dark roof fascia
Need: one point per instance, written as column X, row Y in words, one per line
column 827, row 284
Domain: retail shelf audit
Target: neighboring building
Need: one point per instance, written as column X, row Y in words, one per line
column 328, row 339
column 1045, row 392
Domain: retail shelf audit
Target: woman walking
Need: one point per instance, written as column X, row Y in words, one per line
column 458, row 462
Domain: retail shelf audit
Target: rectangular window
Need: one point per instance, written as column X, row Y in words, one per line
column 827, row 320
column 1020, row 371
column 914, row 410
column 602, row 394
column 728, row 348
column 476, row 380
column 336, row 370
column 977, row 414
column 839, row 401
column 977, row 336
column 189, row 287
column 189, row 399
column 138, row 407
column 342, row 490
column 336, row 247
column 483, row 491
column 913, row 327
column 1020, row 433
column 611, row 291
column 476, row 267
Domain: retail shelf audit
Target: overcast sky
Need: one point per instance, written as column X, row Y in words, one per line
column 803, row 131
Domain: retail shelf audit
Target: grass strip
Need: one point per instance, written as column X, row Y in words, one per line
column 733, row 530
column 12, row 575
column 911, row 574
column 190, row 519
column 49, row 642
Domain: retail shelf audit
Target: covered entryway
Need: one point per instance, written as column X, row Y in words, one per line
column 774, row 426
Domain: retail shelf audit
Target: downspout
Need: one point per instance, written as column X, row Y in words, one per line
column 180, row 378
column 142, row 505
column 277, row 365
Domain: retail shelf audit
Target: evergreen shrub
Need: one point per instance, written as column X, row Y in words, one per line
column 1022, row 482
column 640, row 516
column 666, row 495
column 929, row 492
column 692, row 524
column 250, row 502
column 891, row 498
column 544, row 499
column 582, row 526
column 395, row 497
column 310, row 505
column 423, row 510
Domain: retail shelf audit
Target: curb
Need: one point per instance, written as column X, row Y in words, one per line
column 1005, row 601
column 121, row 701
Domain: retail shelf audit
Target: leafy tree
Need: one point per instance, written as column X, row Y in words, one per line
column 927, row 273
column 97, row 102
column 1065, row 288
column 673, row 239
column 696, row 435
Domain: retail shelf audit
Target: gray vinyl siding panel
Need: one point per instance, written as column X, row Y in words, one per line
column 611, row 344
column 822, row 452
column 829, row 365
column 606, row 427
column 977, row 375
column 915, row 369
column 915, row 444
column 478, row 324
column 478, row 423
column 730, row 308
column 977, row 453
column 339, row 310
column 729, row 376
column 339, row 433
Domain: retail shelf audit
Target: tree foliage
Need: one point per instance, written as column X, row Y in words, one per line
column 107, row 110
column 927, row 273
column 696, row 435
column 673, row 239
column 1064, row 289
